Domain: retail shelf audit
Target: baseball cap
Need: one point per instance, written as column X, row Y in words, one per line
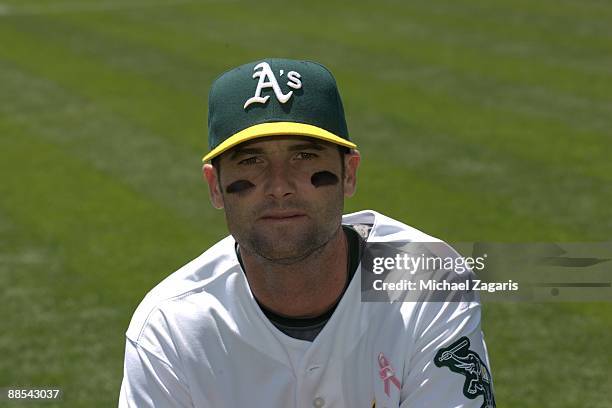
column 273, row 97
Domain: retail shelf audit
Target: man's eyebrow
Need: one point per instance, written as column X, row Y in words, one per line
column 243, row 151
column 306, row 146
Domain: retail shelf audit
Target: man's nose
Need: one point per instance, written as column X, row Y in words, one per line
column 280, row 180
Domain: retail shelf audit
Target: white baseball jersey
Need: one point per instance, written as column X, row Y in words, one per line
column 199, row 339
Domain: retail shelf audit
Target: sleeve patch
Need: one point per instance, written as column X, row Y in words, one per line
column 460, row 359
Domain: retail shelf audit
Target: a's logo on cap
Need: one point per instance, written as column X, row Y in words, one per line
column 268, row 80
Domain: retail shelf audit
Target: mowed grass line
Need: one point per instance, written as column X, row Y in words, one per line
column 444, row 35
column 165, row 172
column 160, row 169
column 117, row 90
column 91, row 214
column 106, row 247
column 518, row 199
column 536, row 119
column 560, row 190
column 550, row 354
column 533, row 103
column 584, row 147
column 33, row 342
column 392, row 66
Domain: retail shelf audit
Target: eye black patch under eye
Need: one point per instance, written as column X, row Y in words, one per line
column 239, row 186
column 324, row 178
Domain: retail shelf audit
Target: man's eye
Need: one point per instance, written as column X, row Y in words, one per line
column 305, row 156
column 249, row 161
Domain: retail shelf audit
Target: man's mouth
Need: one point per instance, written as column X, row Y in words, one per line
column 282, row 215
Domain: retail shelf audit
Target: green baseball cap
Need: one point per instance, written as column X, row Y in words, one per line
column 273, row 97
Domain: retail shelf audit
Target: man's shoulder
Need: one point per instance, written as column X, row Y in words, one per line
column 198, row 275
column 377, row 227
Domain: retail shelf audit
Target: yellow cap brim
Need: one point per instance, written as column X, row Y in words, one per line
column 277, row 129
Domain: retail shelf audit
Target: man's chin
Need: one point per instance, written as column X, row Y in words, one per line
column 285, row 251
column 285, row 245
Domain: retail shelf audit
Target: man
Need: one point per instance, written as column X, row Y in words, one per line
column 272, row 315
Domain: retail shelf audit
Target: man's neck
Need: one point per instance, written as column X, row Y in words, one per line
column 306, row 288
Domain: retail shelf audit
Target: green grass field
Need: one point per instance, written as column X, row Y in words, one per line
column 477, row 120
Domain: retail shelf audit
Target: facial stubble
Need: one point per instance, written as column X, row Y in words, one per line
column 292, row 242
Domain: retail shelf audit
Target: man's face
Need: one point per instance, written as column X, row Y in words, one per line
column 283, row 196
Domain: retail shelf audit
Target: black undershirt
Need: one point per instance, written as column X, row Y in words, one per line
column 308, row 328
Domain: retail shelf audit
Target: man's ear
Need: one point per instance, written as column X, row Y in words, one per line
column 351, row 163
column 214, row 189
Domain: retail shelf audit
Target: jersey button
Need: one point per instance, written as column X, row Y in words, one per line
column 318, row 402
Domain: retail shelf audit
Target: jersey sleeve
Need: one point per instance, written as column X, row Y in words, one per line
column 151, row 381
column 448, row 366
